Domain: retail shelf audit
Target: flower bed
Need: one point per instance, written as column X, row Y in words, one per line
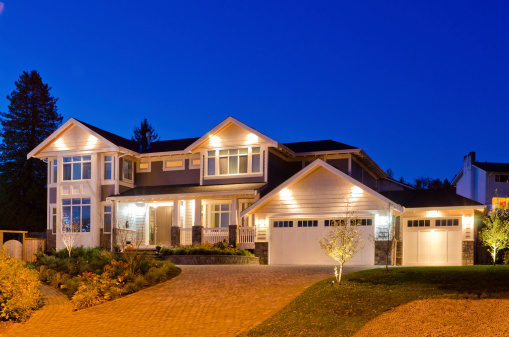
column 93, row 276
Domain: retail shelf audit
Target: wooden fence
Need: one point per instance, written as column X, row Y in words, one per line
column 33, row 246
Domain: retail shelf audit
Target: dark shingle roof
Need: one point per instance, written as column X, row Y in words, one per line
column 180, row 189
column 428, row 198
column 115, row 139
column 319, row 145
column 493, row 167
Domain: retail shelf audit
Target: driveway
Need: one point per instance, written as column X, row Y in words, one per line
column 201, row 301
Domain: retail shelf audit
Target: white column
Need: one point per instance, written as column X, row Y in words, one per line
column 233, row 212
column 176, row 213
column 197, row 212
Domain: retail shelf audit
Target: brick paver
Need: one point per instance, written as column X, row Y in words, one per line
column 202, row 301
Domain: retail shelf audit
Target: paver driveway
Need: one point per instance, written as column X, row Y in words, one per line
column 202, row 301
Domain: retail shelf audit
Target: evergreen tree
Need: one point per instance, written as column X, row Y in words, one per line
column 32, row 116
column 141, row 134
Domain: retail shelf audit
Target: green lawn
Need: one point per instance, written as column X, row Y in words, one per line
column 323, row 310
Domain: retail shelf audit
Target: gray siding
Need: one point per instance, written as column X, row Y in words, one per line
column 356, row 171
column 122, row 189
column 368, row 180
column 280, row 170
column 246, row 180
column 158, row 177
column 340, row 164
column 53, row 195
column 106, row 191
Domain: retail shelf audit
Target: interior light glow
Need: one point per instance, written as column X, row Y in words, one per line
column 261, row 223
column 215, row 141
column 252, row 138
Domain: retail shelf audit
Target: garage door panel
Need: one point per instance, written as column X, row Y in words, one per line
column 424, row 247
column 438, row 245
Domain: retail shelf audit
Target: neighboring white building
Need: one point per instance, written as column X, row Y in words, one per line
column 237, row 184
column 486, row 183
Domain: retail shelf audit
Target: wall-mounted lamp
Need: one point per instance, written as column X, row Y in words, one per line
column 261, row 223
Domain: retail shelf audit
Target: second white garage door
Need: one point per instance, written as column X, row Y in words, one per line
column 296, row 241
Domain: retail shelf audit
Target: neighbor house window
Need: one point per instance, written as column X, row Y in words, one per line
column 77, row 168
column 76, row 214
column 108, row 167
column 220, row 215
column 54, row 171
column 502, row 178
column 233, row 161
column 54, row 220
column 107, row 219
column 128, row 170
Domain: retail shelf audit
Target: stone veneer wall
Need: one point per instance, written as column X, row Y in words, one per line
column 104, row 239
column 262, row 251
column 51, row 240
column 232, row 235
column 468, row 253
column 175, row 236
column 196, row 235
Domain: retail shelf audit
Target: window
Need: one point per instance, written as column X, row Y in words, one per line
column 220, row 215
column 54, row 220
column 234, row 161
column 108, row 167
column 281, row 224
column 76, row 215
column 54, row 171
column 77, row 168
column 418, row 223
column 358, row 222
column 502, row 178
column 128, row 170
column 107, row 219
column 143, row 166
column 447, row 222
column 307, row 223
column 170, row 165
column 194, row 163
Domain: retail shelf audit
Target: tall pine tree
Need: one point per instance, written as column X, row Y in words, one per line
column 141, row 134
column 31, row 118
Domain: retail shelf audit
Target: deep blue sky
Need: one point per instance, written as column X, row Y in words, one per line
column 416, row 84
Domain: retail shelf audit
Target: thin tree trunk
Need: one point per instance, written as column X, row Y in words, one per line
column 340, row 272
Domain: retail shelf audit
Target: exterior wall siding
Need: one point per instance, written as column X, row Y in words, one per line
column 157, row 176
column 52, row 195
column 106, row 191
column 340, row 164
column 240, row 180
column 76, row 139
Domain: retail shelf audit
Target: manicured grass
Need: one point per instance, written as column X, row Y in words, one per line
column 323, row 310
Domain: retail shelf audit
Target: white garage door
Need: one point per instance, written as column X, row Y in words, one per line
column 432, row 242
column 296, row 241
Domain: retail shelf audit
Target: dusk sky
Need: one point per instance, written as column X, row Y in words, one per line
column 416, row 84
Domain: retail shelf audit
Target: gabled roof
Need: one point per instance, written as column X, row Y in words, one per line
column 227, row 122
column 113, row 138
column 190, row 189
column 493, row 167
column 430, row 198
column 307, row 170
column 319, row 146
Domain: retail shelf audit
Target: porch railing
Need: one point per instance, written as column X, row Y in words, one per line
column 186, row 236
column 215, row 235
column 246, row 234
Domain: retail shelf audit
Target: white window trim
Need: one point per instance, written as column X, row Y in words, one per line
column 192, row 166
column 143, row 170
column 104, row 217
column 72, row 169
column 132, row 170
column 114, row 161
column 176, row 168
column 234, row 175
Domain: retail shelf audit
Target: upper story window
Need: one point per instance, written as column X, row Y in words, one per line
column 77, row 168
column 234, row 161
column 194, row 163
column 170, row 165
column 108, row 167
column 54, row 171
column 502, row 178
column 128, row 170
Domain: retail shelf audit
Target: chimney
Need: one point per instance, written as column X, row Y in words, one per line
column 149, row 138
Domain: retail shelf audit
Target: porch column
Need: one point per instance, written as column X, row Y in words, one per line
column 175, row 228
column 197, row 226
column 232, row 229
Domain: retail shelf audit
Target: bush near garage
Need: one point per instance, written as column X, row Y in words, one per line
column 221, row 248
column 19, row 295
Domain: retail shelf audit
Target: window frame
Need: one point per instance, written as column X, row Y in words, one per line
column 71, row 206
column 140, row 169
column 193, row 166
column 54, row 171
column 221, row 213
column 105, row 213
column 105, row 163
column 72, row 162
column 215, row 159
column 124, row 177
column 174, row 168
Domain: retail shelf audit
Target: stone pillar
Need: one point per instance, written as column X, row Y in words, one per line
column 175, row 236
column 467, row 254
column 262, row 252
column 399, row 253
column 104, row 239
column 197, row 235
column 51, row 240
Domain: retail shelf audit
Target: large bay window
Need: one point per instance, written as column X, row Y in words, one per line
column 76, row 215
column 77, row 168
column 234, row 161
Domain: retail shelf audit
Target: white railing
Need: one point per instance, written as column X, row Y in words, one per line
column 215, row 235
column 186, row 236
column 246, row 234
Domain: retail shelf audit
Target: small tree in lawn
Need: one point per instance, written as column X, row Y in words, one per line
column 385, row 236
column 69, row 232
column 343, row 240
column 496, row 233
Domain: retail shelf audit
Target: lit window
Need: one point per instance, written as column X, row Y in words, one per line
column 194, row 163
column 144, row 166
column 107, row 219
column 234, row 161
column 108, row 167
column 173, row 165
column 77, row 168
column 128, row 170
column 220, row 215
column 76, row 215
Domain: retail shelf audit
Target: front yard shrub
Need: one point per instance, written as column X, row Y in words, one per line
column 220, row 248
column 19, row 295
column 93, row 276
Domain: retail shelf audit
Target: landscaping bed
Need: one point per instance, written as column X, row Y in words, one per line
column 219, row 253
column 93, row 276
column 325, row 310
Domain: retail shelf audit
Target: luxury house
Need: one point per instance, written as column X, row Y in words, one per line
column 237, row 184
column 487, row 183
